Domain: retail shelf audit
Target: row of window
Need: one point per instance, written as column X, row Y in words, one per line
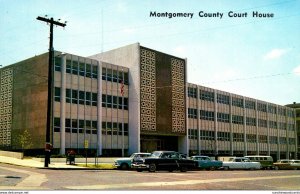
column 237, row 137
column 237, row 119
column 77, row 68
column 77, row 97
column 90, row 98
column 238, row 102
column 90, row 127
column 88, row 70
column 114, row 75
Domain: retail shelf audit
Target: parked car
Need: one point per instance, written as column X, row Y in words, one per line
column 265, row 161
column 287, row 164
column 240, row 163
column 125, row 163
column 165, row 160
column 204, row 162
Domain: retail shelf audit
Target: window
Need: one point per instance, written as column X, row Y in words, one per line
column 249, row 104
column 292, row 141
column 88, row 98
column 262, row 107
column 251, row 138
column 81, row 126
column 192, row 92
column 108, row 128
column 223, row 136
column 192, row 113
column 193, row 133
column 237, row 119
column 237, row 102
column 273, row 124
column 74, row 96
column 126, row 81
column 207, row 115
column 281, row 111
column 94, row 99
column 282, row 140
column 57, row 64
column 115, row 102
column 262, row 123
column 290, row 113
column 81, row 69
column 95, row 72
column 56, row 124
column 57, row 94
column 103, row 73
column 103, row 128
column 103, row 100
column 282, row 125
column 125, row 103
column 126, row 129
column 115, row 129
column 272, row 109
column 273, row 140
column 68, row 66
column 238, row 137
column 263, row 139
column 109, row 101
column 75, row 67
column 74, row 126
column 250, row 121
column 223, row 99
column 207, row 135
column 68, row 96
column 109, row 75
column 206, row 95
column 223, row 117
column 290, row 127
column 88, row 70
column 68, row 125
column 81, row 97
column 115, row 76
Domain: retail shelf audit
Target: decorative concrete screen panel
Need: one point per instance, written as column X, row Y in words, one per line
column 148, row 90
column 6, row 89
column 162, row 94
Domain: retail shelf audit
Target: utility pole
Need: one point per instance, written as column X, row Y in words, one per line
column 48, row 146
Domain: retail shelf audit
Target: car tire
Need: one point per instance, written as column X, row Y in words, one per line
column 226, row 167
column 276, row 168
column 212, row 168
column 124, row 166
column 170, row 170
column 139, row 170
column 152, row 167
column 183, row 169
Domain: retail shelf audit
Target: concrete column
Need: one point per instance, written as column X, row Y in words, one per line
column 278, row 145
column 256, row 116
column 244, row 114
column 63, row 106
column 230, row 124
column 216, row 123
column 268, row 132
column 99, row 109
column 198, row 121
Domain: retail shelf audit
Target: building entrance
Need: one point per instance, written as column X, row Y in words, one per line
column 154, row 143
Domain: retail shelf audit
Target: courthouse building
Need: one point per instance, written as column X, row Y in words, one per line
column 134, row 99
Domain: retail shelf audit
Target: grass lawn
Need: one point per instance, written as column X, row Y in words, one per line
column 103, row 166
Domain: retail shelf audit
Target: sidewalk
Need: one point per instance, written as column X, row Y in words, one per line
column 36, row 164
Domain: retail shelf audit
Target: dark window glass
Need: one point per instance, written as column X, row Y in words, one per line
column 109, row 101
column 68, row 96
column 57, row 64
column 74, row 96
column 57, row 94
column 68, row 66
column 81, row 69
column 81, row 97
column 88, row 70
column 95, row 72
column 103, row 73
column 103, row 100
column 56, row 124
column 75, row 67
column 88, row 98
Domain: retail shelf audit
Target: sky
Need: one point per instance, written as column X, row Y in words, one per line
column 251, row 56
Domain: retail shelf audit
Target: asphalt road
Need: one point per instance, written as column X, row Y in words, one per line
column 22, row 178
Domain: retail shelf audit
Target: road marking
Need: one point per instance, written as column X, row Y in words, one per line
column 186, row 182
column 32, row 181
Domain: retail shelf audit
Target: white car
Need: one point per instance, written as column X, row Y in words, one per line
column 241, row 163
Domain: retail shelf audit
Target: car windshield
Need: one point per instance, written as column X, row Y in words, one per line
column 155, row 154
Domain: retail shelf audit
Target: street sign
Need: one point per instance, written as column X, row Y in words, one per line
column 86, row 144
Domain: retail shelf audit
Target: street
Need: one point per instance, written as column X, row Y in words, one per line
column 24, row 178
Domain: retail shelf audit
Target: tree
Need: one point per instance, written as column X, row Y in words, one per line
column 25, row 140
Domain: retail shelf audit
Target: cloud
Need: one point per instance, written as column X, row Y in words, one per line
column 275, row 54
column 297, row 70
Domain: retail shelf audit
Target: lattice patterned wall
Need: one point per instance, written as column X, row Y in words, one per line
column 148, row 91
column 178, row 98
column 6, row 89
